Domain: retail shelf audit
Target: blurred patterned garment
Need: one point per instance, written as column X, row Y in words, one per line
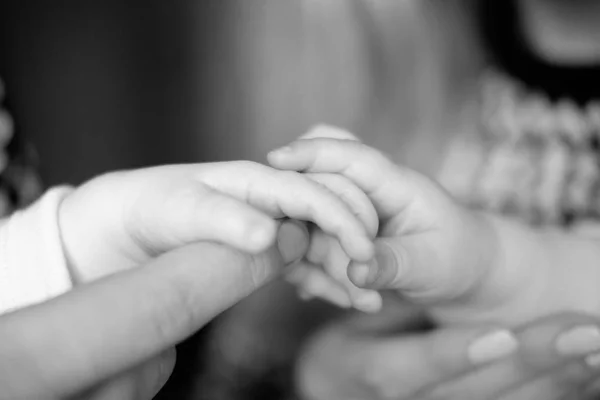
column 531, row 158
column 535, row 154
column 19, row 181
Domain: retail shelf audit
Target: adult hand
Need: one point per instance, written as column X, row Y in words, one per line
column 99, row 337
column 554, row 360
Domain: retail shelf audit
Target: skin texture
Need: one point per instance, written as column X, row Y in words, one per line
column 175, row 221
column 366, row 357
column 123, row 219
column 121, row 349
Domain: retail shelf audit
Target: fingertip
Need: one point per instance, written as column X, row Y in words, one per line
column 359, row 273
column 361, row 250
column 383, row 268
column 278, row 157
column 492, row 346
column 292, row 240
column 261, row 235
column 316, row 284
column 368, row 302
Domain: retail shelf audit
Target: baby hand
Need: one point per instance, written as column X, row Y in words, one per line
column 123, row 219
column 429, row 248
column 323, row 273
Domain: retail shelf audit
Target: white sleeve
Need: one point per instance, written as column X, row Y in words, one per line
column 33, row 267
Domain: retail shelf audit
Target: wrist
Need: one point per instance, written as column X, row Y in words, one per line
column 481, row 262
column 508, row 283
column 94, row 238
column 484, row 249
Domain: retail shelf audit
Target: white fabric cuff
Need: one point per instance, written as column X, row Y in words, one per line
column 33, row 266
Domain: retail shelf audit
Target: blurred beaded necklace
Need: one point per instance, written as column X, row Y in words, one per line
column 536, row 155
column 19, row 181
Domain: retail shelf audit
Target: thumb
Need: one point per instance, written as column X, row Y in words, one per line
column 412, row 267
column 292, row 241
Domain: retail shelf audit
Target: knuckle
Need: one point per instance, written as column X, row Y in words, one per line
column 178, row 311
column 153, row 221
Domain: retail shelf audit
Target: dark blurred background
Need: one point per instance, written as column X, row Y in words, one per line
column 111, row 84
column 100, row 85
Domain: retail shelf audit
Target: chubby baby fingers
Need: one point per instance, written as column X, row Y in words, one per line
column 312, row 282
column 326, row 253
column 388, row 186
column 294, row 195
column 356, row 200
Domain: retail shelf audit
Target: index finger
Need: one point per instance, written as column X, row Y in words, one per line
column 61, row 347
column 290, row 194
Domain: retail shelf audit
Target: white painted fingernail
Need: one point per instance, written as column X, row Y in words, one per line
column 593, row 360
column 579, row 341
column 368, row 302
column 261, row 236
column 493, row 346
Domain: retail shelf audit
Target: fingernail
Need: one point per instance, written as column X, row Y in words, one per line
column 261, row 236
column 368, row 302
column 365, row 275
column 292, row 241
column 491, row 347
column 593, row 360
column 579, row 341
column 281, row 150
column 360, row 274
